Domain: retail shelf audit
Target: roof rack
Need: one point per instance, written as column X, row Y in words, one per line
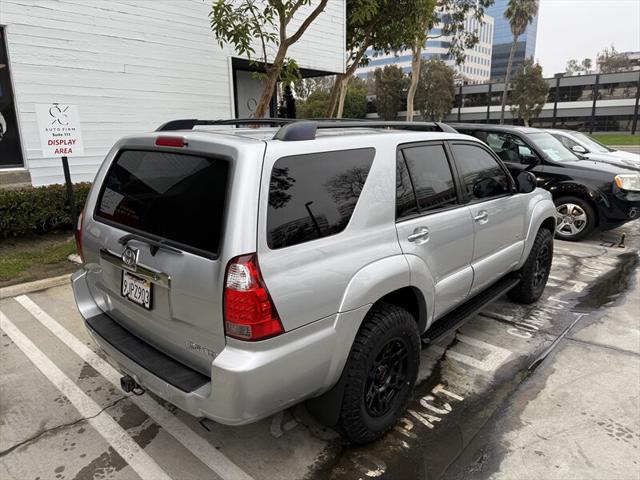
column 306, row 130
column 189, row 123
column 295, row 130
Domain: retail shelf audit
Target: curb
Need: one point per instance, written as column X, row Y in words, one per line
column 22, row 288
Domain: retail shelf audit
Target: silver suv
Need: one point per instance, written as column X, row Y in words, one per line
column 235, row 272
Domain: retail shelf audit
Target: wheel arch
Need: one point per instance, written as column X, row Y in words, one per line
column 397, row 291
column 542, row 215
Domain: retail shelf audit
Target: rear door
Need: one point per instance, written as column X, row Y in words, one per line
column 157, row 229
column 431, row 222
column 497, row 212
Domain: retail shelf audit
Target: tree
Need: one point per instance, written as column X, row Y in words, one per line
column 381, row 25
column 611, row 61
column 520, row 14
column 241, row 23
column 303, row 87
column 452, row 14
column 289, row 102
column 573, row 67
column 355, row 101
column 529, row 92
column 314, row 106
column 436, row 90
column 390, row 83
column 355, row 104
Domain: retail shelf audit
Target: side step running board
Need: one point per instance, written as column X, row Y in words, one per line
column 456, row 318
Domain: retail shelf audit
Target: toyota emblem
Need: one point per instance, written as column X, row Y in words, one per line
column 130, row 257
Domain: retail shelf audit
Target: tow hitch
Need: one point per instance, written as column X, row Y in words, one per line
column 129, row 385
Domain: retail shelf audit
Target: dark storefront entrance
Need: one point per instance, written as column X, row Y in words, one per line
column 10, row 149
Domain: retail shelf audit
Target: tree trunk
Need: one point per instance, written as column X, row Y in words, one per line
column 334, row 96
column 344, row 84
column 416, row 61
column 336, row 89
column 506, row 78
column 271, row 82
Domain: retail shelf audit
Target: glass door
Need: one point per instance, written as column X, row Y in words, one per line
column 10, row 149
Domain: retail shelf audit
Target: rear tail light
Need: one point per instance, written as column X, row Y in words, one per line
column 78, row 235
column 249, row 312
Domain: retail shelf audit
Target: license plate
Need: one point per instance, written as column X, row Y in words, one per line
column 138, row 290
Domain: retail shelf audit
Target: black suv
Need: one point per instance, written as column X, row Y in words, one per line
column 587, row 193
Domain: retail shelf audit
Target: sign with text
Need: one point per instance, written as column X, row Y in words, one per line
column 60, row 132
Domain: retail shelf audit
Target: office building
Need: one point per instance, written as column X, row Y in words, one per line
column 502, row 40
column 476, row 67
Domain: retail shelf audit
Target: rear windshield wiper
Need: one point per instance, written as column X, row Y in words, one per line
column 154, row 245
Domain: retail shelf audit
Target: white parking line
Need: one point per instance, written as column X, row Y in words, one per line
column 193, row 442
column 489, row 363
column 104, row 424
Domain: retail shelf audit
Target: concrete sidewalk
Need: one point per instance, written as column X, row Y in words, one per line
column 578, row 415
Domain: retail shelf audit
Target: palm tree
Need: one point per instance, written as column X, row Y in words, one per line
column 520, row 14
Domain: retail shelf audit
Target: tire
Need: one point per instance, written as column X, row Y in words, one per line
column 575, row 219
column 386, row 332
column 536, row 269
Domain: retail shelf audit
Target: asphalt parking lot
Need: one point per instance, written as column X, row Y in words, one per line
column 550, row 390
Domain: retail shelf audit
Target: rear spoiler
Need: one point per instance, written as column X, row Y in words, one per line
column 294, row 130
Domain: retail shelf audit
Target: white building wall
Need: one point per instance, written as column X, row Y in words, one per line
column 131, row 65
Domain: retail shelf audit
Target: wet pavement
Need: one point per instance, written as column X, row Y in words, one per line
column 570, row 363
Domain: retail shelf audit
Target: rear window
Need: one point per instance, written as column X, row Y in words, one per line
column 175, row 197
column 313, row 196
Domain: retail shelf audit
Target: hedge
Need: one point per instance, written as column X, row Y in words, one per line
column 38, row 210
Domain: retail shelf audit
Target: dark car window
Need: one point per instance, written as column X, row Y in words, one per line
column 314, row 195
column 431, row 177
column 174, row 196
column 406, row 203
column 482, row 175
column 509, row 148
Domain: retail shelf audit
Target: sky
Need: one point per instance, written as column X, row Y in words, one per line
column 582, row 28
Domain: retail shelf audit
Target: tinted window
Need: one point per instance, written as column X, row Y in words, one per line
column 313, row 196
column 483, row 176
column 173, row 196
column 406, row 204
column 431, row 176
column 508, row 147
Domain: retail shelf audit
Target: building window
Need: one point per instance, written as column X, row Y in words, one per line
column 10, row 149
column 610, row 91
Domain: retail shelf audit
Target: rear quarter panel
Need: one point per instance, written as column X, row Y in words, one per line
column 308, row 281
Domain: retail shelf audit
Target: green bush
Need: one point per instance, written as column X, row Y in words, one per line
column 38, row 210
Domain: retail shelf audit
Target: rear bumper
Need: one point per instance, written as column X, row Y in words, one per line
column 248, row 381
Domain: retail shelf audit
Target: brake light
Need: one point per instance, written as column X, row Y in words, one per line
column 249, row 312
column 177, row 142
column 78, row 235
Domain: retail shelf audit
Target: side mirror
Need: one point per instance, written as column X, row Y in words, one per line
column 530, row 159
column 579, row 149
column 526, row 182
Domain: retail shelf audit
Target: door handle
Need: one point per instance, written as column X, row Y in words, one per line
column 482, row 217
column 420, row 233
